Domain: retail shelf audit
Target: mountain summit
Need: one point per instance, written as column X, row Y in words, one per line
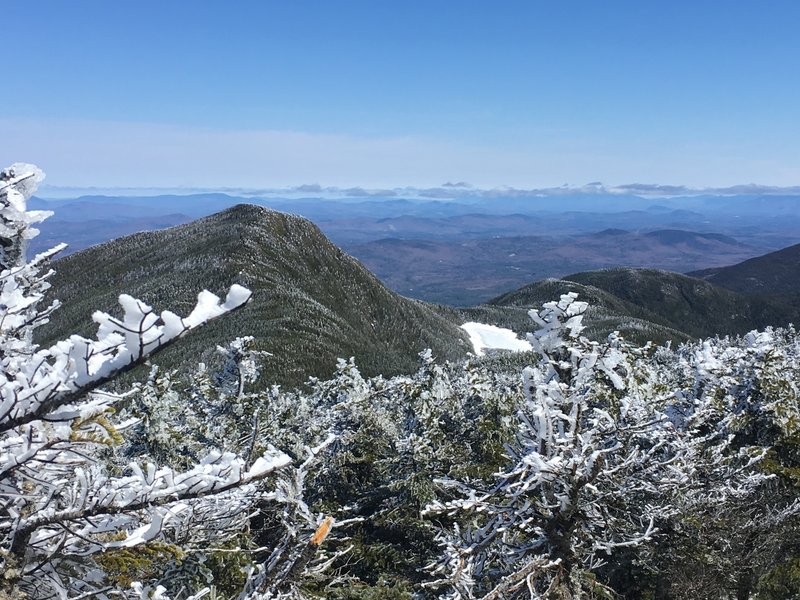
column 312, row 303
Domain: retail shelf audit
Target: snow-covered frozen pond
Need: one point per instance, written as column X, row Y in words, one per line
column 488, row 337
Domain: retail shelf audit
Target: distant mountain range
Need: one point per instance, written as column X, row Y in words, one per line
column 759, row 218
column 472, row 271
column 461, row 246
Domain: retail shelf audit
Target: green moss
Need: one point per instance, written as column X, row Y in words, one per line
column 380, row 591
column 142, row 563
column 781, row 583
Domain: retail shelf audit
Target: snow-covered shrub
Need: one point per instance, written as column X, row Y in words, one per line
column 740, row 512
column 592, row 467
column 60, row 507
column 635, row 468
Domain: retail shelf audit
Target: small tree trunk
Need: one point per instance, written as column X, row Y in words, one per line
column 744, row 584
column 662, row 591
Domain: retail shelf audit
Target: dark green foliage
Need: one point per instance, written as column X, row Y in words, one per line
column 394, row 438
column 771, row 274
column 380, row 591
column 781, row 583
column 225, row 568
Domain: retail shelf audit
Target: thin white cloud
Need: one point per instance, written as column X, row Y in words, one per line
column 76, row 153
column 145, row 155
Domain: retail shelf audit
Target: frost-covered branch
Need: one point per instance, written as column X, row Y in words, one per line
column 63, row 374
column 590, row 470
column 60, row 506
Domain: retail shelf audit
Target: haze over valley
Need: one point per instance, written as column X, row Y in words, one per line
column 467, row 248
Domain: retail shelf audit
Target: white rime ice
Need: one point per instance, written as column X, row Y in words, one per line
column 58, row 504
column 610, row 446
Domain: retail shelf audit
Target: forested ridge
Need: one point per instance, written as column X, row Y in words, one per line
column 587, row 468
column 312, row 302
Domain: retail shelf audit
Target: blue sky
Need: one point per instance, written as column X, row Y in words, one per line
column 524, row 94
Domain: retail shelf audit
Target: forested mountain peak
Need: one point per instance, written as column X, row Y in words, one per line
column 312, row 303
column 656, row 304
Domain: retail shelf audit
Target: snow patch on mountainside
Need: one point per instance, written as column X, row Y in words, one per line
column 488, row 338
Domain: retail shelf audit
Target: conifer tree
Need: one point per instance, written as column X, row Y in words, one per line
column 591, row 473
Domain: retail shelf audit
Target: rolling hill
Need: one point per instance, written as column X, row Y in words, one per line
column 467, row 272
column 645, row 304
column 774, row 273
column 606, row 312
column 684, row 303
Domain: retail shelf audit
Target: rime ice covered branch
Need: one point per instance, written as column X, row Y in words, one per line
column 46, row 384
column 589, row 475
column 59, row 505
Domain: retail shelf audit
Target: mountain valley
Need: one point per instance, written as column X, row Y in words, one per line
column 469, row 272
column 462, row 247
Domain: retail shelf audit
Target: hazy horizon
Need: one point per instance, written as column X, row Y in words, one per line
column 446, row 191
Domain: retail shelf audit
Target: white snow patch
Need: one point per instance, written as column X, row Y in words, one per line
column 488, row 337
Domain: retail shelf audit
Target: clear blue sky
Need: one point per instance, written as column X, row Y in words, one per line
column 402, row 93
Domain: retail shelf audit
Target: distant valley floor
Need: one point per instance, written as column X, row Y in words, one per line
column 465, row 252
column 466, row 273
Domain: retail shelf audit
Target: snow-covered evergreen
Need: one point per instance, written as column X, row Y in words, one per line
column 603, row 468
column 618, row 445
column 59, row 505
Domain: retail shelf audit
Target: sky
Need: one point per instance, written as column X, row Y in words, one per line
column 527, row 94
